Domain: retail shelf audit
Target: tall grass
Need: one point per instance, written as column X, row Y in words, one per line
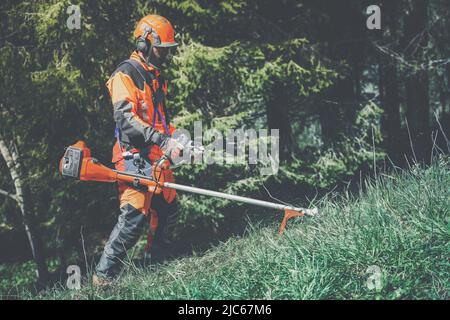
column 399, row 225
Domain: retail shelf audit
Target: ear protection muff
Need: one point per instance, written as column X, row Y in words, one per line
column 141, row 42
column 143, row 45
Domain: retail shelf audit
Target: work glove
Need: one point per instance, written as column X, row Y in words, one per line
column 190, row 151
column 195, row 152
column 172, row 149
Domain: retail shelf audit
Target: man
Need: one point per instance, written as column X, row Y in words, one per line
column 143, row 135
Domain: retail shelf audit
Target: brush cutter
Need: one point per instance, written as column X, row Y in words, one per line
column 77, row 163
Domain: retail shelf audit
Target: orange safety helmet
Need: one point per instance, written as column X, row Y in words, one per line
column 157, row 29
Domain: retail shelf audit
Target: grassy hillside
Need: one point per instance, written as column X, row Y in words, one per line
column 399, row 223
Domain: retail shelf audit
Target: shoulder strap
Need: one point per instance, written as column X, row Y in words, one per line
column 148, row 77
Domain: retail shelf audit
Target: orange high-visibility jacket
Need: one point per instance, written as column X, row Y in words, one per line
column 139, row 110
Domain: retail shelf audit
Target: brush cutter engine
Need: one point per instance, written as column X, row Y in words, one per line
column 71, row 162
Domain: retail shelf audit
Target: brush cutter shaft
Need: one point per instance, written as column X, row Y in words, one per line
column 150, row 182
column 234, row 198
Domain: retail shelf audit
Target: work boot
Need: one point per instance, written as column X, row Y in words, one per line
column 99, row 281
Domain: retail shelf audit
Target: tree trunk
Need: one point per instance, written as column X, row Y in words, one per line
column 446, row 107
column 11, row 156
column 278, row 118
column 417, row 100
column 342, row 99
column 388, row 85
